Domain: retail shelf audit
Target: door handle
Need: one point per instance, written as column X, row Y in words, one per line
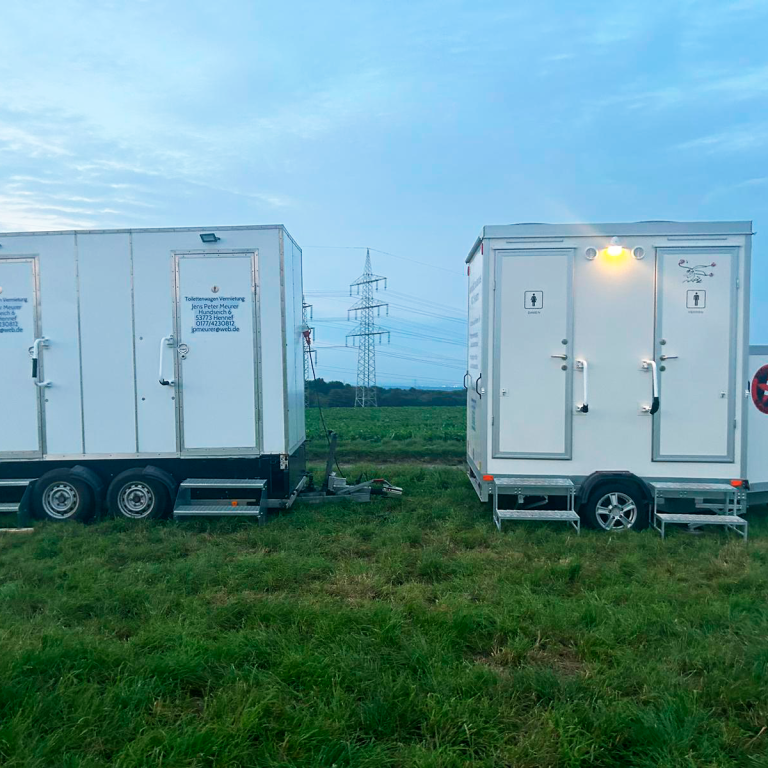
column 584, row 366
column 466, row 386
column 560, row 357
column 477, row 381
column 654, row 408
column 166, row 341
column 36, row 346
column 667, row 357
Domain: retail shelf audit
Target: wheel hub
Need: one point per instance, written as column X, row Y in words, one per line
column 61, row 500
column 616, row 511
column 136, row 500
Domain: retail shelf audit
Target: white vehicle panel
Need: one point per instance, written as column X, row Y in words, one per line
column 106, row 343
column 476, row 433
column 614, row 330
column 694, row 348
column 532, row 390
column 216, row 387
column 20, row 433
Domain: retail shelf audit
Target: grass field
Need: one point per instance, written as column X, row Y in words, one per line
column 427, row 434
column 407, row 632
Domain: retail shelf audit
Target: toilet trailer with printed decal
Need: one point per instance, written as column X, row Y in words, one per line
column 150, row 370
column 609, row 374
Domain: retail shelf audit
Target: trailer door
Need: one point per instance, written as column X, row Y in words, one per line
column 695, row 351
column 533, row 350
column 19, row 393
column 216, row 353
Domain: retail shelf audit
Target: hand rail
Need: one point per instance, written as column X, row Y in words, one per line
column 466, row 386
column 584, row 366
column 36, row 345
column 654, row 370
column 477, row 381
column 166, row 341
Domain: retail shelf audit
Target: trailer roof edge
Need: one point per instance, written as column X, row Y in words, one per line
column 135, row 230
column 626, row 229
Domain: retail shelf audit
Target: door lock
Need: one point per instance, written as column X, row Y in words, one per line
column 183, row 350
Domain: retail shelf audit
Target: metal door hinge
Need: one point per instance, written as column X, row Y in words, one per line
column 738, row 282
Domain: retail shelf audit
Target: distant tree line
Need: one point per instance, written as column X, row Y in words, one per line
column 337, row 394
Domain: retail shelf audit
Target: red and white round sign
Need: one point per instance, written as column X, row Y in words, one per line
column 760, row 389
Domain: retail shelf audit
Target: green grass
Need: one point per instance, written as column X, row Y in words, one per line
column 435, row 434
column 407, row 632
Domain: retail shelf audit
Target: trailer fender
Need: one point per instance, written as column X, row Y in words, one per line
column 165, row 478
column 95, row 482
column 602, row 476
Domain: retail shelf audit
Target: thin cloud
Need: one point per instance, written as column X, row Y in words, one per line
column 737, row 139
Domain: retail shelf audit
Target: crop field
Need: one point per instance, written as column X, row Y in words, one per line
column 427, row 434
column 406, row 632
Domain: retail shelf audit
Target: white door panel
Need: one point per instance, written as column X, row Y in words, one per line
column 216, row 359
column 19, row 397
column 695, row 307
column 533, row 373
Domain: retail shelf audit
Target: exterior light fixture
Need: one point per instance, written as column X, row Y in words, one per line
column 209, row 237
column 615, row 248
column 590, row 253
column 639, row 252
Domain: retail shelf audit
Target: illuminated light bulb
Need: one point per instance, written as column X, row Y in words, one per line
column 615, row 248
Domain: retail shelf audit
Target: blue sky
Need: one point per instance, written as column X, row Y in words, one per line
column 404, row 126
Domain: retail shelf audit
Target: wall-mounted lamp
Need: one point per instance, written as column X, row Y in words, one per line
column 591, row 253
column 639, row 252
column 615, row 248
column 209, row 237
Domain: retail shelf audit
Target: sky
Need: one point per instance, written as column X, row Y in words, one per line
column 400, row 126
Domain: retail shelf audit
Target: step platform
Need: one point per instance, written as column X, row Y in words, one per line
column 523, row 487
column 227, row 501
column 22, row 507
column 727, row 503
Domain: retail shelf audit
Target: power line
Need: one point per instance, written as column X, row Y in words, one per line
column 385, row 253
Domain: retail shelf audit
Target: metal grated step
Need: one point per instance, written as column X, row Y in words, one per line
column 196, row 482
column 216, row 510
column 734, row 522
column 562, row 515
column 186, row 506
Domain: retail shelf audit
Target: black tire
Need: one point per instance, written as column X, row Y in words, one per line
column 62, row 495
column 615, row 505
column 137, row 495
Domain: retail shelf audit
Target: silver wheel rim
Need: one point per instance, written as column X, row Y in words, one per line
column 616, row 512
column 61, row 500
column 136, row 500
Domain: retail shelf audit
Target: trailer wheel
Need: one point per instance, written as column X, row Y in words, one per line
column 617, row 505
column 62, row 495
column 137, row 495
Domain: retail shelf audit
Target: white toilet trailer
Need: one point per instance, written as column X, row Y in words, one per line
column 609, row 375
column 151, row 368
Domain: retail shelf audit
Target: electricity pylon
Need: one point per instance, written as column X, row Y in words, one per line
column 366, row 333
column 307, row 334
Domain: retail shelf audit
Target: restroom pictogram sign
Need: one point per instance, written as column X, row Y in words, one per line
column 760, row 389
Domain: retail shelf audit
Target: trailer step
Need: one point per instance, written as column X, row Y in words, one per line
column 224, row 505
column 727, row 502
column 562, row 515
column 733, row 522
column 9, row 508
column 195, row 482
column 538, row 487
column 215, row 510
column 15, row 483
